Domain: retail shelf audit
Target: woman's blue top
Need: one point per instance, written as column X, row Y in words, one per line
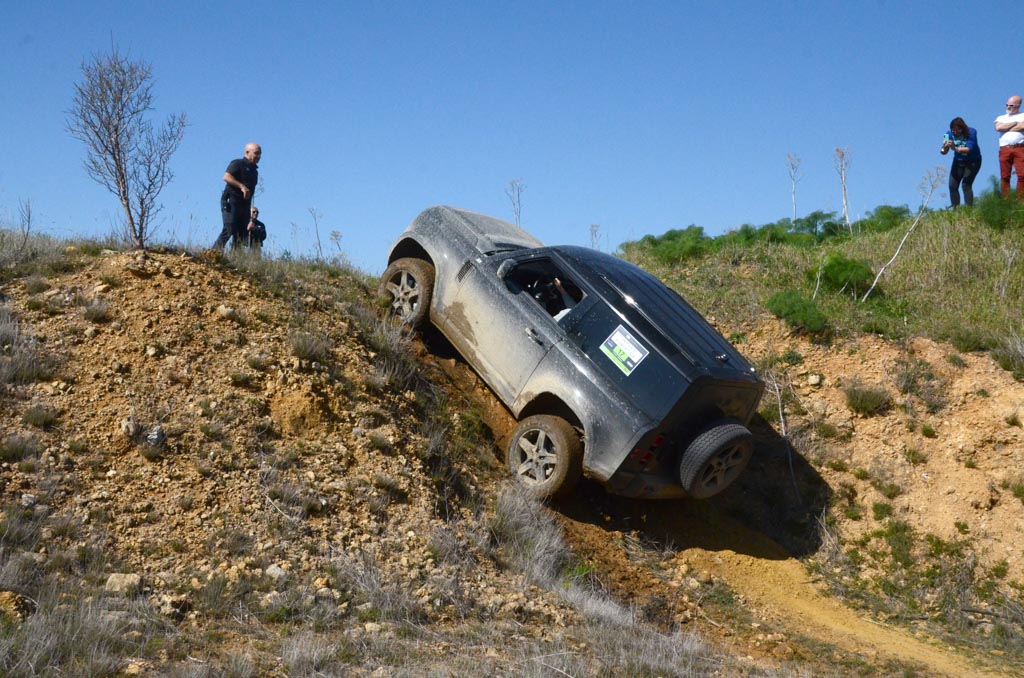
column 970, row 142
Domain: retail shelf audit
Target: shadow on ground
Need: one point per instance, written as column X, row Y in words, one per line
column 770, row 512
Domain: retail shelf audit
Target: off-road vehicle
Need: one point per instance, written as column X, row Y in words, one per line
column 610, row 373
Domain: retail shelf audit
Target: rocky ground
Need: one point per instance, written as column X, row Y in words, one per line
column 211, row 435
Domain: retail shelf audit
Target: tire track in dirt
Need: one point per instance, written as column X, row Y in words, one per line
column 774, row 585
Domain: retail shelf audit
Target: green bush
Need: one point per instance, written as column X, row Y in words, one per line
column 997, row 212
column 840, row 273
column 17, row 447
column 801, row 313
column 678, row 245
column 883, row 218
column 970, row 340
column 866, row 400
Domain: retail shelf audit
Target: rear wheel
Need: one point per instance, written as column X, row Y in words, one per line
column 546, row 455
column 406, row 286
column 715, row 459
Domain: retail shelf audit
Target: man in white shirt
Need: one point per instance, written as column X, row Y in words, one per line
column 1011, row 146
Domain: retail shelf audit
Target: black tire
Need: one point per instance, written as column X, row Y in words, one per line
column 715, row 459
column 546, row 455
column 407, row 286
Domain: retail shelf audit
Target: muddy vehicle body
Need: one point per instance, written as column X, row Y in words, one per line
column 610, row 373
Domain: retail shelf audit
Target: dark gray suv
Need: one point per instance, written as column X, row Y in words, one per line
column 610, row 373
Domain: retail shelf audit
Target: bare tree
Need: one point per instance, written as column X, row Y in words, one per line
column 514, row 191
column 841, row 158
column 595, row 236
column 931, row 181
column 793, row 165
column 124, row 153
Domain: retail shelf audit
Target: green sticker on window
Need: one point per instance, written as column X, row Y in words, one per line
column 624, row 350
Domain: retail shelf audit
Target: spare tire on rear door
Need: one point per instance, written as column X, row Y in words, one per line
column 715, row 458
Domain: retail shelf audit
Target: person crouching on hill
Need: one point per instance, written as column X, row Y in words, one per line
column 963, row 141
column 256, row 231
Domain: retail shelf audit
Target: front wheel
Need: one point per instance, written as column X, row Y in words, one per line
column 715, row 459
column 406, row 287
column 546, row 455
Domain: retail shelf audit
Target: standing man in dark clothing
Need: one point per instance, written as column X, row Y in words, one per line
column 236, row 200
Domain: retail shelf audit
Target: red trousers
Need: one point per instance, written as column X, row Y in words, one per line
column 1011, row 158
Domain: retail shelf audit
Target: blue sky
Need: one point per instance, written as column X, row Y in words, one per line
column 639, row 117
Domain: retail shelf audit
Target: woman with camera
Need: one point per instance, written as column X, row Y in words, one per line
column 963, row 141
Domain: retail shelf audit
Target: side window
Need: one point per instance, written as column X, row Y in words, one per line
column 548, row 286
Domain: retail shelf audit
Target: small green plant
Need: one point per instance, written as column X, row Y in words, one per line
column 800, row 313
column 792, row 357
column 390, row 486
column 970, row 340
column 916, row 377
column 838, row 465
column 1017, row 488
column 887, row 489
column 915, row 456
column 309, row 346
column 970, row 462
column 16, row 447
column 927, row 431
column 379, row 442
column 35, row 284
column 241, row 379
column 961, row 527
column 205, row 407
column 97, row 311
column 40, row 416
column 1013, row 420
column 899, row 535
column 213, row 430
column 1010, row 355
column 258, row 361
column 982, row 393
column 866, row 400
column 861, row 474
column 35, row 303
column 853, row 511
column 78, row 446
column 826, row 430
column 956, row 360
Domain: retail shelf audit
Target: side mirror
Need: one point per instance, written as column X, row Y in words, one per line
column 505, row 268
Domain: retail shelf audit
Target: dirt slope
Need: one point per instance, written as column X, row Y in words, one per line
column 776, row 587
column 332, row 463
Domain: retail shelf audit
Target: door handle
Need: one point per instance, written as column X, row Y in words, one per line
column 534, row 337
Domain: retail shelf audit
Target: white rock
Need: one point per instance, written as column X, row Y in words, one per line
column 123, row 583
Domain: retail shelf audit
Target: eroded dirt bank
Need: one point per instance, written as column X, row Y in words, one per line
column 788, row 616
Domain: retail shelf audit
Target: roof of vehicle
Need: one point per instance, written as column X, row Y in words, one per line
column 487, row 233
column 641, row 294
